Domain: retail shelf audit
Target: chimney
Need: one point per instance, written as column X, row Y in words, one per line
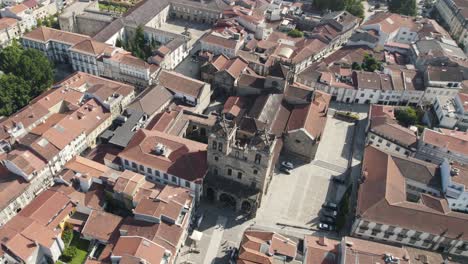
column 323, row 241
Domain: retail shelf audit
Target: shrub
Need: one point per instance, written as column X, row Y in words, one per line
column 69, row 253
column 67, row 236
column 295, row 33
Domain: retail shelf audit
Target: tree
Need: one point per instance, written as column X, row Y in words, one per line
column 36, row 69
column 370, row 63
column 10, row 57
column 355, row 8
column 356, row 66
column 406, row 116
column 295, row 33
column 27, row 74
column 404, row 7
column 14, row 94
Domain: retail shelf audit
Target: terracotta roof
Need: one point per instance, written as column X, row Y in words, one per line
column 158, row 209
column 234, row 105
column 12, row 186
column 90, row 46
column 311, row 117
column 179, row 83
column 184, row 158
column 140, row 248
column 384, row 123
column 87, row 167
column 235, row 66
column 391, row 22
column 21, row 234
column 455, row 141
column 45, row 34
column 6, row 22
column 216, row 39
column 101, row 225
column 16, row 9
column 382, row 199
column 129, row 182
column 26, row 160
column 46, row 207
column 219, row 62
column 260, row 246
column 364, row 251
column 164, row 234
column 321, row 250
column 152, row 101
column 30, row 3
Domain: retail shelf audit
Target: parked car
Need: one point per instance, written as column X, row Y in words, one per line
column 326, row 227
column 329, row 213
column 327, row 220
column 284, row 170
column 288, row 165
column 330, row 205
column 338, row 180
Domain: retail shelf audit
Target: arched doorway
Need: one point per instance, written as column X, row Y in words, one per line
column 246, row 206
column 227, row 200
column 210, row 194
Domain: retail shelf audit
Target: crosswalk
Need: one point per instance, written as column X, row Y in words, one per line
column 329, row 166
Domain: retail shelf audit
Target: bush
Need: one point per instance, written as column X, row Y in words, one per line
column 407, row 116
column 69, row 253
column 67, row 236
column 295, row 33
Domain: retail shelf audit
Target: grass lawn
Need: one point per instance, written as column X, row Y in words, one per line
column 82, row 249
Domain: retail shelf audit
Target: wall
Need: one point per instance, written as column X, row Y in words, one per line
column 300, row 143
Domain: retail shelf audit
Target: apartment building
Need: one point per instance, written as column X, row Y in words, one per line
column 22, row 13
column 434, row 146
column 386, row 212
column 9, row 31
column 384, row 132
column 451, row 113
column 454, row 16
column 223, row 42
column 91, row 56
column 442, row 83
column 166, row 159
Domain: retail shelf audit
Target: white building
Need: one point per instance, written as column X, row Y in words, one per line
column 20, row 12
column 435, row 146
column 452, row 112
column 454, row 187
column 9, row 31
column 387, row 212
column 442, row 82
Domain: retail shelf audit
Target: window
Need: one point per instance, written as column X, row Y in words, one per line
column 255, row 172
column 380, row 140
column 174, row 179
column 397, row 148
column 220, row 146
column 215, row 144
column 229, row 172
column 216, row 158
column 157, row 173
column 237, row 154
column 166, row 177
column 239, row 175
column 298, row 141
column 258, row 158
column 388, row 144
column 142, row 168
column 187, row 184
column 126, row 162
column 149, row 170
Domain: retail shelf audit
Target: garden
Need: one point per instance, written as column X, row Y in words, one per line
column 76, row 249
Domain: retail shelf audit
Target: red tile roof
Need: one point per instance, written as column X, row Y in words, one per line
column 184, row 158
column 455, row 141
column 101, row 225
column 140, row 248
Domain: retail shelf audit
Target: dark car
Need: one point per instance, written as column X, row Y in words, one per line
column 338, row 180
column 330, row 205
column 327, row 220
column 326, row 227
column 329, row 213
column 288, row 165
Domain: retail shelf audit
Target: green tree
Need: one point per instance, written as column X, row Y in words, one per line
column 14, row 94
column 36, row 69
column 404, row 7
column 406, row 116
column 370, row 63
column 356, row 66
column 355, row 8
column 295, row 33
column 10, row 57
